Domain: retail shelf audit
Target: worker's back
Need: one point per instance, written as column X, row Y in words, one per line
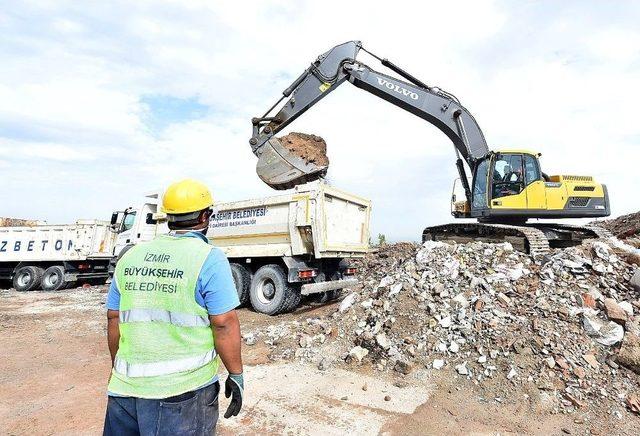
column 166, row 344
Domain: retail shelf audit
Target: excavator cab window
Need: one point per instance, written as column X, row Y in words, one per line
column 532, row 170
column 507, row 175
column 480, row 185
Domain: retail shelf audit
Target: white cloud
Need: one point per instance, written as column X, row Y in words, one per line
column 560, row 79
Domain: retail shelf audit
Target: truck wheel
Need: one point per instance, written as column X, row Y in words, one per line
column 270, row 292
column 293, row 301
column 53, row 278
column 27, row 278
column 242, row 279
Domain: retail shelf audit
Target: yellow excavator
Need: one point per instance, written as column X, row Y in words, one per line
column 507, row 187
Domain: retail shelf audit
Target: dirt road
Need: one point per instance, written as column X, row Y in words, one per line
column 55, row 366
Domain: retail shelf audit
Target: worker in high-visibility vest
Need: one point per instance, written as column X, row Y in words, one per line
column 171, row 319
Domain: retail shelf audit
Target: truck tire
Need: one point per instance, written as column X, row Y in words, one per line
column 53, row 278
column 294, row 299
column 270, row 291
column 242, row 279
column 27, row 278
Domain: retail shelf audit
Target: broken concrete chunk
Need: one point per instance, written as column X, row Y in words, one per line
column 614, row 311
column 462, row 369
column 629, row 354
column 635, row 280
column 347, row 302
column 383, row 341
column 437, row 364
column 605, row 333
column 358, row 353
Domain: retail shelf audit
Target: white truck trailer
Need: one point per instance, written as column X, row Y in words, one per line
column 280, row 247
column 52, row 256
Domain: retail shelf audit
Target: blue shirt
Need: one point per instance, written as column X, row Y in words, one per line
column 215, row 288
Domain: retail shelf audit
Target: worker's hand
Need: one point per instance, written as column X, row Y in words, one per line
column 234, row 388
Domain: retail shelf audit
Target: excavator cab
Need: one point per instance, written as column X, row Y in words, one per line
column 509, row 186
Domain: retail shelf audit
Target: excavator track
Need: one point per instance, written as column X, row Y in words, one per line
column 535, row 239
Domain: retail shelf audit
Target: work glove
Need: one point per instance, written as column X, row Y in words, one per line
column 234, row 388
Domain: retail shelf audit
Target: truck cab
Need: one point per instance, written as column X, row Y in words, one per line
column 136, row 224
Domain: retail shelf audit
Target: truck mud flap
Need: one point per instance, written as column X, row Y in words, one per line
column 314, row 288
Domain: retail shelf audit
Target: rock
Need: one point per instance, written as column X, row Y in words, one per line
column 347, row 302
column 614, row 311
column 306, row 341
column 323, row 364
column 550, row 362
column 365, row 387
column 502, row 298
column 482, row 359
column 250, row 339
column 627, row 307
column 462, row 369
column 437, row 364
column 608, row 333
column 579, row 372
column 601, row 250
column 516, row 273
column 445, row 322
column 512, row 373
column 403, row 367
column 591, row 360
column 358, row 353
column 629, row 354
column 586, row 300
column 383, row 341
column 454, row 347
column 633, row 403
column 386, row 281
column 387, row 397
column 367, row 303
column 461, row 300
column 635, row 280
column 562, row 363
column 395, row 289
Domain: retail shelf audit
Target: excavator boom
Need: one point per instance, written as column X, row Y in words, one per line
column 282, row 169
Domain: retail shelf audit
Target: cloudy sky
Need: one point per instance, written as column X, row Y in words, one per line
column 102, row 101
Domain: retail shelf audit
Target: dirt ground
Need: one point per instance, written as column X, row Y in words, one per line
column 55, row 365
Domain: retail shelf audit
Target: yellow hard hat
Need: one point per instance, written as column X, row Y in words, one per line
column 186, row 196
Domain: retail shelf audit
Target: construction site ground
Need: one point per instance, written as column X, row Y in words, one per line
column 55, row 365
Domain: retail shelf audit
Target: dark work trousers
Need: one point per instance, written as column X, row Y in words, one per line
column 191, row 413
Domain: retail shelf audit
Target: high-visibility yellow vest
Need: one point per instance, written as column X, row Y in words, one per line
column 166, row 342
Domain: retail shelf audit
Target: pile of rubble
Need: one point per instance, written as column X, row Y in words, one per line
column 563, row 330
column 623, row 227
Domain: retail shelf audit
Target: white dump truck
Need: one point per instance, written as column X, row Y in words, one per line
column 51, row 257
column 280, row 247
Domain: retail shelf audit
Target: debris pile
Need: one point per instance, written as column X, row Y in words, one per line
column 561, row 327
column 18, row 222
column 563, row 331
column 623, row 227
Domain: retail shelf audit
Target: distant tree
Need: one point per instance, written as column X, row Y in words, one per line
column 382, row 239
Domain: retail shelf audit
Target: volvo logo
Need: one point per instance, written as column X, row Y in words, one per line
column 397, row 88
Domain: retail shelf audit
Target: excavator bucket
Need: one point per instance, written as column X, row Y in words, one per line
column 283, row 167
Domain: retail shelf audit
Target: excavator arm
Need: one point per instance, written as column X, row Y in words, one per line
column 329, row 71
